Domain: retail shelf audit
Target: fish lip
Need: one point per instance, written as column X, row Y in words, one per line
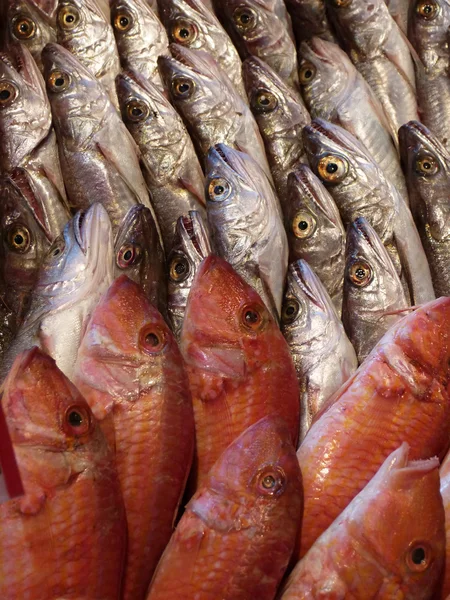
column 190, row 228
column 222, row 154
column 302, row 177
column 364, row 231
column 135, row 214
column 17, row 59
column 413, row 133
column 319, row 126
column 88, row 227
column 180, row 56
column 307, row 280
column 317, row 46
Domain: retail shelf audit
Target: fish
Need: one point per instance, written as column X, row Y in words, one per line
column 211, row 107
column 67, row 535
column 238, row 363
column 191, row 245
column 323, row 355
column 193, row 24
column 246, row 512
column 130, row 371
column 359, row 557
column 83, row 28
column 171, row 168
column 140, row 256
column 140, row 38
column 281, row 115
column 399, row 11
column 443, row 589
column 373, row 293
column 315, row 231
column 246, row 222
column 310, row 19
column 96, row 142
column 76, row 271
column 381, row 53
column 334, row 90
column 360, row 189
column 428, row 24
column 399, row 394
column 263, row 28
column 427, row 167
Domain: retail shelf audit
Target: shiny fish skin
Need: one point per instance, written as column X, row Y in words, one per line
column 322, row 353
column 236, row 520
column 315, row 230
column 142, row 387
column 76, row 271
column 191, row 23
column 359, row 557
column 239, row 366
column 89, row 36
column 399, row 11
column 246, row 223
column 67, row 536
column 281, row 116
column 427, row 167
column 401, row 393
column 443, row 590
column 170, row 165
column 191, row 245
column 309, row 18
column 211, row 107
column 140, row 38
column 372, row 289
column 334, row 90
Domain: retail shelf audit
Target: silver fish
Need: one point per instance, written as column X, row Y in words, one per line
column 399, row 11
column 315, row 230
column 191, row 246
column 192, row 24
column 171, row 168
column 427, row 167
column 281, row 116
column 323, row 356
column 246, row 222
column 77, row 270
column 140, row 37
column 210, row 105
column 83, row 28
column 372, row 289
column 309, row 19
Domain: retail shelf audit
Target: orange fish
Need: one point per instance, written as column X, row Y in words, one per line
column 131, row 372
column 388, row 543
column 400, row 393
column 237, row 534
column 444, row 586
column 66, row 537
column 239, row 365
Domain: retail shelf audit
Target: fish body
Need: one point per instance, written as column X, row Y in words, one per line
column 399, row 10
column 246, row 513
column 399, row 394
column 358, row 556
column 309, row 19
column 443, row 589
column 131, row 372
column 239, row 366
column 323, row 356
column 66, row 537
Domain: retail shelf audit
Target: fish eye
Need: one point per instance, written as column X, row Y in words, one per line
column 290, row 312
column 360, row 273
column 245, row 18
column 23, row 27
column 57, row 248
column 219, row 189
column 303, row 225
column 123, row 21
column 426, row 165
column 307, row 73
column 19, row 238
column 8, row 93
column 152, row 339
column 77, row 420
column 183, row 87
column 179, row 268
column 271, row 481
column 253, row 317
column 68, row 17
column 428, row 9
column 129, row 254
column 332, row 169
column 58, row 81
column 418, row 557
column 184, row 32
column 137, row 110
column 264, row 101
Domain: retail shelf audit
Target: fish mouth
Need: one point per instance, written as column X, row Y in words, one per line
column 189, row 226
column 318, row 49
column 21, row 69
column 192, row 230
column 223, row 156
column 91, row 228
column 137, row 214
column 181, row 56
column 413, row 134
column 374, row 248
column 303, row 178
column 310, row 285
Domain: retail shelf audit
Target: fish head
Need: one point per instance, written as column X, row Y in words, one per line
column 80, row 22
column 133, row 22
column 25, row 117
column 428, row 23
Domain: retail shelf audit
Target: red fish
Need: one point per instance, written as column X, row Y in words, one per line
column 239, row 365
column 444, row 587
column 66, row 537
column 131, row 373
column 236, row 537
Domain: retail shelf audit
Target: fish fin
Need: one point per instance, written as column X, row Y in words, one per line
column 193, row 191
